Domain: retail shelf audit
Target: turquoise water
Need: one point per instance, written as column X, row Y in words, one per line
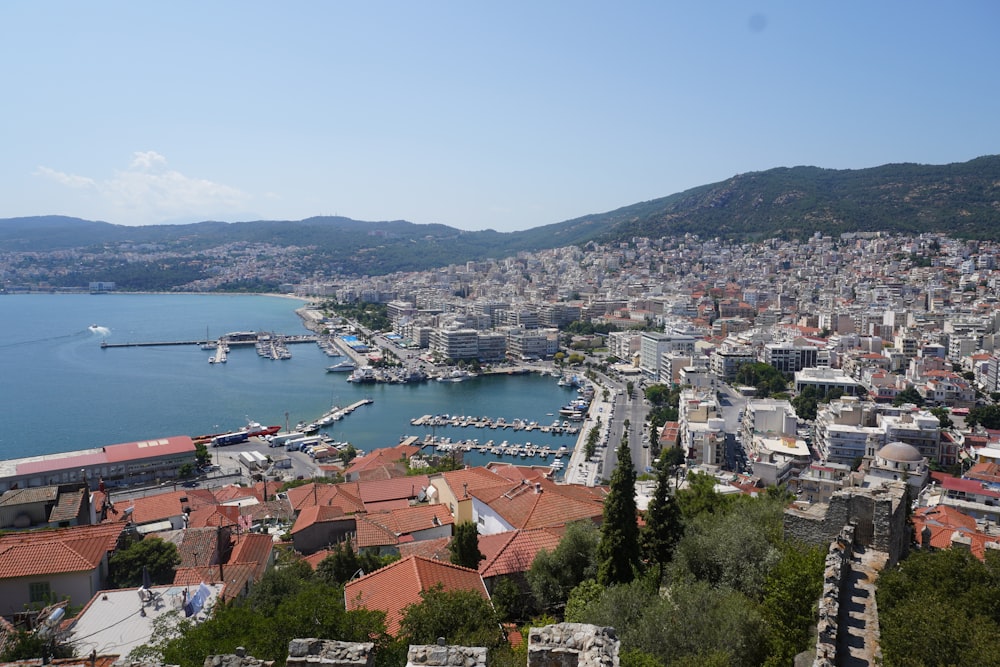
column 60, row 391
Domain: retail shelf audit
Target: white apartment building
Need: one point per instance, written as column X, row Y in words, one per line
column 845, row 429
column 525, row 345
column 654, row 344
column 455, row 343
column 726, row 361
column 789, row 358
column 825, row 380
column 918, row 428
column 623, row 344
column 702, row 430
column 770, row 437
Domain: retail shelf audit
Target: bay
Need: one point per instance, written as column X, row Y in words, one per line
column 60, row 391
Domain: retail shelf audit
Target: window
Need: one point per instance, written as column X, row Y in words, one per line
column 39, row 591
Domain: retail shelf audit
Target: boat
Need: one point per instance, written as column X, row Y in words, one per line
column 363, row 374
column 457, row 375
column 345, row 366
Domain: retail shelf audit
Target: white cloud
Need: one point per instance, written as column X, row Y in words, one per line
column 68, row 180
column 150, row 192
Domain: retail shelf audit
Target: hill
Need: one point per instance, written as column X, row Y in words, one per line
column 961, row 199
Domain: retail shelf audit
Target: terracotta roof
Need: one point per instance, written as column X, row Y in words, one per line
column 516, row 473
column 314, row 559
column 516, row 552
column 373, row 534
column 436, row 549
column 399, row 584
column 333, row 495
column 538, row 505
column 254, row 548
column 317, row 514
column 213, row 516
column 199, row 546
column 163, row 505
column 476, row 478
column 387, row 489
column 944, row 521
column 384, row 456
column 75, row 549
column 237, row 577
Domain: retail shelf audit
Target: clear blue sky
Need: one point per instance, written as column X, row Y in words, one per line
column 503, row 115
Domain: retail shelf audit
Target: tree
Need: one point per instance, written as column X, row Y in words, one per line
column 943, row 417
column 156, row 556
column 340, row 565
column 908, row 395
column 462, row 617
column 663, row 523
column 464, row 546
column 790, row 594
column 806, row 404
column 553, row 574
column 987, row 416
column 618, row 550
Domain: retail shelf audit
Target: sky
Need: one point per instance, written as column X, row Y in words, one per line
column 477, row 115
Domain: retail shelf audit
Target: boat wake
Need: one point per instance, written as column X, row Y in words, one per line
column 98, row 330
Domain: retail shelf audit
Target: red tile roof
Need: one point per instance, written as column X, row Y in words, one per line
column 399, row 584
column 317, row 514
column 944, row 521
column 76, row 549
column 538, row 505
column 379, row 457
column 436, row 549
column 164, row 505
column 514, row 551
column 332, row 495
column 129, row 451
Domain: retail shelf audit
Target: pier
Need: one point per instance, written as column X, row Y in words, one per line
column 208, row 344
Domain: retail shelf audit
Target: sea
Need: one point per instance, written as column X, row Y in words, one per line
column 61, row 391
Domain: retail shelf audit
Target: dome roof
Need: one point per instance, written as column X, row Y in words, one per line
column 900, row 452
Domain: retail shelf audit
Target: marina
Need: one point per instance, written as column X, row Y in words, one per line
column 557, row 426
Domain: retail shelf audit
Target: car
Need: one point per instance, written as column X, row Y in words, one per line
column 190, row 484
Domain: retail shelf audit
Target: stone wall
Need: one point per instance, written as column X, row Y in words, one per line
column 572, row 645
column 433, row 655
column 879, row 515
column 329, row 653
column 238, row 659
column 836, row 572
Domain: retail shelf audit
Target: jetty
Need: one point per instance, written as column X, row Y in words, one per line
column 332, row 415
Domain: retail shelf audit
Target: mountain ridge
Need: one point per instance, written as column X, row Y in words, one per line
column 961, row 199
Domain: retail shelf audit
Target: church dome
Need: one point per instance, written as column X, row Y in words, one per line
column 900, row 452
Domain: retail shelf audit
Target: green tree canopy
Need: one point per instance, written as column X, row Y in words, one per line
column 464, row 546
column 618, row 554
column 553, row 574
column 664, row 526
column 160, row 558
column 462, row 617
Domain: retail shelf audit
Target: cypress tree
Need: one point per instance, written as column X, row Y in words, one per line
column 663, row 523
column 618, row 550
column 464, row 546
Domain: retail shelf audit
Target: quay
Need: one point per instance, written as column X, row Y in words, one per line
column 557, row 426
column 229, row 339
